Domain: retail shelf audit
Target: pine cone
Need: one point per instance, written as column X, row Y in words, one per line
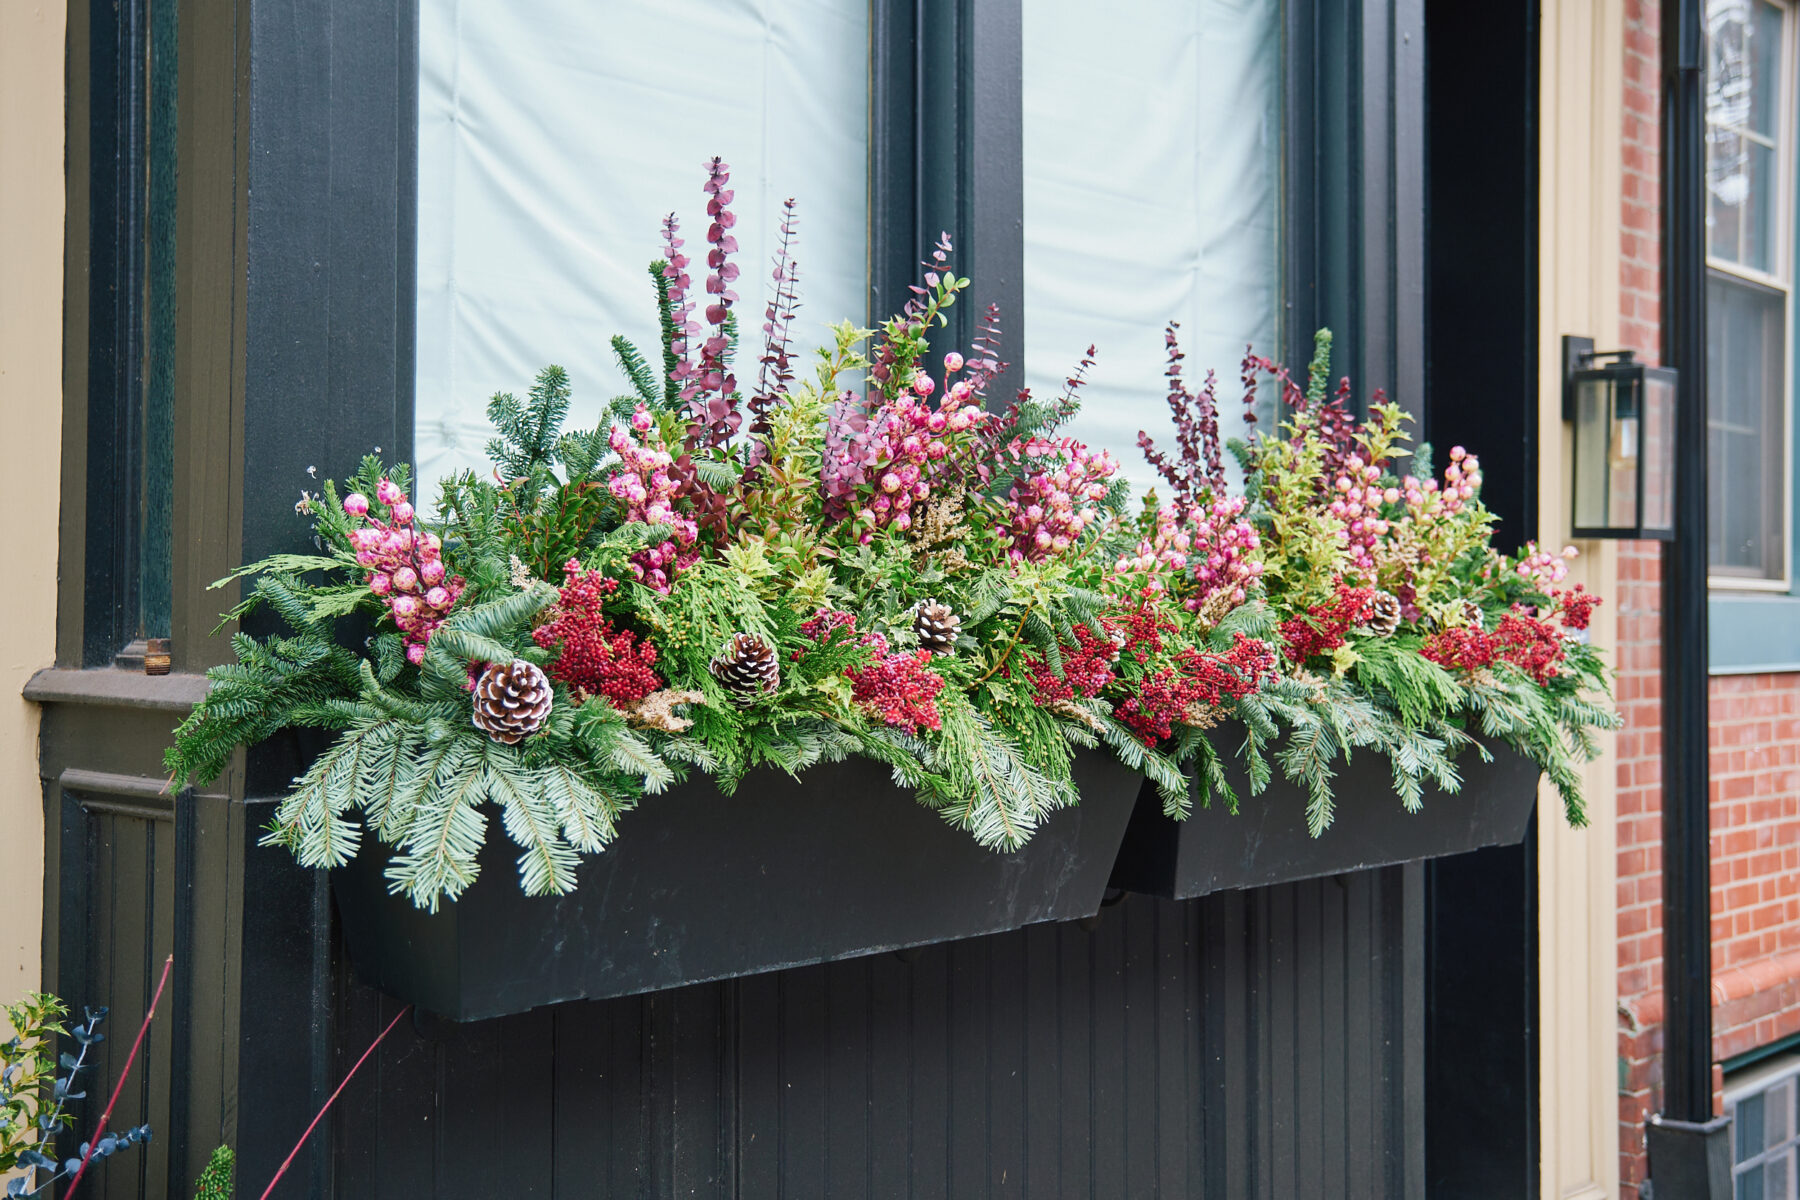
column 1472, row 614
column 511, row 701
column 745, row 666
column 937, row 626
column 1384, row 614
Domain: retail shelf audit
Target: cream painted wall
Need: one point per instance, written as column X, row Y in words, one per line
column 31, row 278
column 1578, row 258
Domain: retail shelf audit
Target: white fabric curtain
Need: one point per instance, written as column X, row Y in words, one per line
column 1152, row 193
column 554, row 135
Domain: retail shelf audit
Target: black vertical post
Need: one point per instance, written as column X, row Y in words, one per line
column 1689, row 1149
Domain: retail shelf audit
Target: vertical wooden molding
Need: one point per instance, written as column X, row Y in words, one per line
column 1581, row 77
column 32, row 72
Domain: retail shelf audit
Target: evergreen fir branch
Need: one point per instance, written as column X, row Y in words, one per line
column 608, row 739
column 1254, row 619
column 666, row 331
column 446, row 830
column 586, row 814
column 1007, row 797
column 528, row 431
column 381, row 778
column 1254, row 712
column 1318, row 372
column 309, row 821
column 582, row 451
column 478, row 633
column 1170, row 783
column 467, row 647
column 1306, row 760
column 906, row 756
column 252, row 699
column 1256, row 763
column 547, row 866
column 284, row 594
column 331, row 713
column 631, row 362
column 689, row 750
column 389, row 652
column 718, row 474
column 1210, row 780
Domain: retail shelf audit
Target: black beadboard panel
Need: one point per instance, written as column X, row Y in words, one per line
column 1249, row 1044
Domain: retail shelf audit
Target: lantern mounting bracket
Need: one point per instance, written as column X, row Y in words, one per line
column 1579, row 354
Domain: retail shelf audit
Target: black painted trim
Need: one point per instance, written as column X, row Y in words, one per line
column 1686, row 767
column 117, row 55
column 947, row 157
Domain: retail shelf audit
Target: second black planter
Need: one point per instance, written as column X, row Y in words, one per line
column 703, row 886
column 1266, row 841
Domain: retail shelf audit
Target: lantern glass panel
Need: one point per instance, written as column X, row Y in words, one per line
column 1659, row 452
column 1593, row 430
column 1624, row 448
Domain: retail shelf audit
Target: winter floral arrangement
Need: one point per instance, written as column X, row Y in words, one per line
column 871, row 554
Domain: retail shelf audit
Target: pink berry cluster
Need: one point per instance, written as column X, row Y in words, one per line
column 1224, row 551
column 405, row 565
column 644, row 485
column 912, row 441
column 1048, row 510
column 1356, row 502
column 1211, row 538
column 1427, row 502
column 1543, row 569
column 1167, row 547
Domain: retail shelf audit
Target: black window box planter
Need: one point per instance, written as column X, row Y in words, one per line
column 701, row 886
column 1266, row 841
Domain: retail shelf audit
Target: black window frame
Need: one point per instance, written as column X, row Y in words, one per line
column 1352, row 161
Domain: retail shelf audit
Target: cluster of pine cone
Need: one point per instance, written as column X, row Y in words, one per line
column 512, row 700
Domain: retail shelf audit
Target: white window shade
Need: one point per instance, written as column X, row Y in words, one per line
column 554, row 135
column 1152, row 141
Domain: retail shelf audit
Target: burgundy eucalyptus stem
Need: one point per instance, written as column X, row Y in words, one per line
column 320, row 1115
column 100, row 1129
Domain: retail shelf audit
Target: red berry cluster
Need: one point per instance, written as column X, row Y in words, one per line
column 1087, row 669
column 1201, row 680
column 1577, row 605
column 1142, row 627
column 1464, row 648
column 1530, row 645
column 1325, row 626
column 1526, row 642
column 592, row 657
column 900, row 689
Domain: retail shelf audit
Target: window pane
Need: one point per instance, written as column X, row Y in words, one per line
column 1151, row 194
column 1728, row 186
column 1760, row 209
column 554, row 135
column 1746, row 396
column 1775, row 1178
column 1775, row 1113
column 1749, row 1125
column 1750, row 1185
column 1743, row 111
column 1765, row 107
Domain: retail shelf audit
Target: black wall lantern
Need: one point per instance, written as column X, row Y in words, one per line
column 1624, row 415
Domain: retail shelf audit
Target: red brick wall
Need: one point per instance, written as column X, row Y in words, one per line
column 1755, row 737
